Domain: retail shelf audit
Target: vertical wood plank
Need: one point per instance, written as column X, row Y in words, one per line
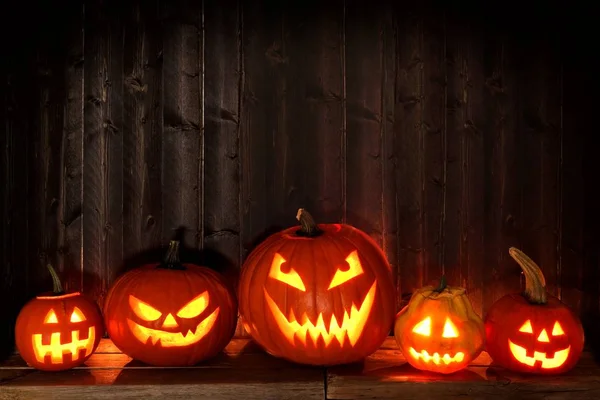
column 409, row 153
column 466, row 127
column 16, row 92
column 71, row 169
column 573, row 216
column 312, row 116
column 388, row 141
column 222, row 75
column 182, row 117
column 539, row 128
column 433, row 142
column 502, row 170
column 142, row 134
column 103, row 142
column 364, row 72
column 263, row 137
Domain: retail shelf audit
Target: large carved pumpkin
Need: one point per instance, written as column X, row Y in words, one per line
column 533, row 332
column 170, row 314
column 438, row 330
column 319, row 295
column 57, row 331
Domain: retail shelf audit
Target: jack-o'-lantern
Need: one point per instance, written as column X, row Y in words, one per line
column 318, row 295
column 533, row 332
column 438, row 330
column 57, row 331
column 170, row 313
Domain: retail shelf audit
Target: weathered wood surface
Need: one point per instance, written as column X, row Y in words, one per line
column 386, row 375
column 446, row 138
column 243, row 370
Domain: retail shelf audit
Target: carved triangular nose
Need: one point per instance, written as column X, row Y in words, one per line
column 543, row 337
column 169, row 322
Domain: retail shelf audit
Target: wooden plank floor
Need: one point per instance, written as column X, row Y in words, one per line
column 243, row 371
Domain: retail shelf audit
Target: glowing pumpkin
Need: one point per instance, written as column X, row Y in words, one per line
column 320, row 295
column 438, row 330
column 57, row 331
column 170, row 314
column 533, row 332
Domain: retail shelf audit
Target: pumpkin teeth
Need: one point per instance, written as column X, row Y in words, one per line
column 173, row 339
column 520, row 354
column 351, row 326
column 55, row 350
column 436, row 358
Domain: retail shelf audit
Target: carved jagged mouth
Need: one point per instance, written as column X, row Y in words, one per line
column 436, row 358
column 351, row 326
column 520, row 354
column 173, row 339
column 55, row 350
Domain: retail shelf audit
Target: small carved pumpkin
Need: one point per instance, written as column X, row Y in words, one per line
column 438, row 330
column 58, row 331
column 533, row 332
column 321, row 295
column 170, row 314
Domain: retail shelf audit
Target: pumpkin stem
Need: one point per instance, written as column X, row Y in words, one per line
column 171, row 260
column 309, row 226
column 535, row 283
column 443, row 284
column 57, row 288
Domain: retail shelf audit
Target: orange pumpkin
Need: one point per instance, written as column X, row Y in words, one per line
column 57, row 331
column 170, row 314
column 318, row 295
column 438, row 330
column 533, row 332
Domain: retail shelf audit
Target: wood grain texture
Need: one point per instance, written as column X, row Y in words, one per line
column 103, row 143
column 540, row 120
column 503, row 176
column 386, row 375
column 464, row 182
column 241, row 370
column 409, row 153
column 263, row 136
column 182, row 151
column 142, row 134
column 71, row 167
column 364, row 114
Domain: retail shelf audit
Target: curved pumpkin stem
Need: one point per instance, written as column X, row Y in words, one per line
column 443, row 284
column 171, row 260
column 57, row 288
column 535, row 283
column 309, row 226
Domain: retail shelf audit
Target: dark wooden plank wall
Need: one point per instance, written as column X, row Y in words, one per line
column 447, row 138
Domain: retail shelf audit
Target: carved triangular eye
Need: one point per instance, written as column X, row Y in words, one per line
column 77, row 315
column 143, row 310
column 450, row 330
column 51, row 318
column 557, row 330
column 194, row 307
column 423, row 327
column 526, row 327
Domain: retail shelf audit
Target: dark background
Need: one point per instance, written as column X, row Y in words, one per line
column 447, row 133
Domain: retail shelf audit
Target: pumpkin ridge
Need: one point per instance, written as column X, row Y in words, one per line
column 535, row 283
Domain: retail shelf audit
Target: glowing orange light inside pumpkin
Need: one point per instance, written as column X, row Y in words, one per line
column 526, row 327
column 51, row 318
column 351, row 326
column 520, row 353
column 291, row 278
column 449, row 329
column 423, row 327
column 55, row 349
column 355, row 270
column 171, row 339
column 557, row 330
column 77, row 315
column 436, row 358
